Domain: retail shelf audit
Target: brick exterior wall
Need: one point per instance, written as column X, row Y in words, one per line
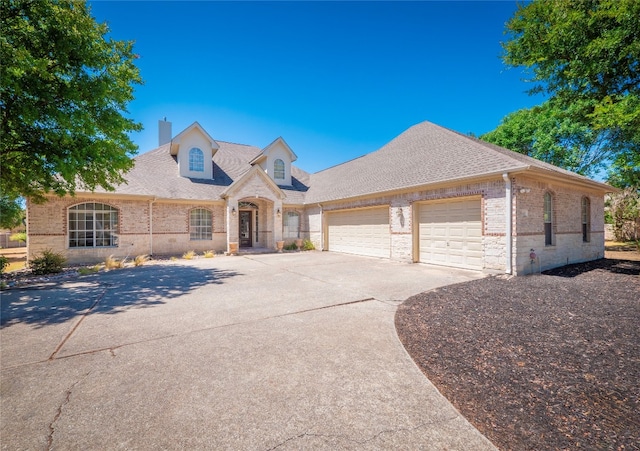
column 47, row 223
column 47, row 226
column 568, row 246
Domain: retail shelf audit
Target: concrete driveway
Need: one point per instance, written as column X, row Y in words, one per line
column 262, row 352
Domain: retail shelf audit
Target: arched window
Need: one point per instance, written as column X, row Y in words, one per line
column 196, row 160
column 278, row 169
column 93, row 224
column 291, row 225
column 548, row 219
column 200, row 221
column 586, row 219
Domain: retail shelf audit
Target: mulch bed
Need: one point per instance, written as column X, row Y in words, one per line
column 539, row 362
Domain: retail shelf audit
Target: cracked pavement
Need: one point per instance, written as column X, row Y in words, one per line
column 264, row 352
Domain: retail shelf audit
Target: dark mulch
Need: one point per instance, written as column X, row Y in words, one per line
column 548, row 361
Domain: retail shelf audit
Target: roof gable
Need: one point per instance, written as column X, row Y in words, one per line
column 176, row 141
column 276, row 143
column 252, row 173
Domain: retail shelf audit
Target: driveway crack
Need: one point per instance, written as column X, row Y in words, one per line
column 77, row 324
column 61, row 407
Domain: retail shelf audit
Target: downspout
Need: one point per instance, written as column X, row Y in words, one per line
column 151, row 226
column 321, row 228
column 508, row 222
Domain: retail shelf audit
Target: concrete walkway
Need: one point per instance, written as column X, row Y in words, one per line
column 261, row 352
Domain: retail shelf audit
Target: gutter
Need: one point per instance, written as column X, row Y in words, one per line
column 508, row 222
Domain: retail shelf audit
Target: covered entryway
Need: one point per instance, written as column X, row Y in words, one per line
column 450, row 233
column 361, row 231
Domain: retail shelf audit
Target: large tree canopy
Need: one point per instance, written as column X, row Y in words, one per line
column 585, row 56
column 64, row 88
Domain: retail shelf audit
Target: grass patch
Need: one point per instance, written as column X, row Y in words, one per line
column 189, row 255
column 89, row 270
column 140, row 260
column 209, row 254
column 113, row 263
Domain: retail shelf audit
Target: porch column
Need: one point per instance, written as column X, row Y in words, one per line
column 232, row 221
column 277, row 220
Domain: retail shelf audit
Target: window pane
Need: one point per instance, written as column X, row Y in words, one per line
column 92, row 224
column 196, row 160
column 200, row 224
column 278, row 169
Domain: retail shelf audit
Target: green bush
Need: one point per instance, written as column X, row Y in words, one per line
column 291, row 247
column 307, row 245
column 19, row 236
column 4, row 262
column 48, row 262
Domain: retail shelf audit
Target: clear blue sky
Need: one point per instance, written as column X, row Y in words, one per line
column 335, row 79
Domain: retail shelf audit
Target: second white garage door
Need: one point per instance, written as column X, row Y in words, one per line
column 450, row 233
column 361, row 232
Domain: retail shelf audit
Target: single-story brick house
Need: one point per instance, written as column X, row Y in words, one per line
column 430, row 195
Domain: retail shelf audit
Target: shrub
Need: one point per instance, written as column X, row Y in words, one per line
column 140, row 260
column 48, row 262
column 4, row 262
column 209, row 254
column 173, row 258
column 189, row 255
column 113, row 263
column 89, row 270
column 291, row 247
column 19, row 236
column 307, row 245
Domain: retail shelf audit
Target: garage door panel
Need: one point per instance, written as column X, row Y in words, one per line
column 361, row 232
column 450, row 233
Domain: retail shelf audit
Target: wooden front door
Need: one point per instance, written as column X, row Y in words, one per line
column 245, row 229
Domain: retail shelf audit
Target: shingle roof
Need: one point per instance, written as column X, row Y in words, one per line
column 156, row 174
column 424, row 154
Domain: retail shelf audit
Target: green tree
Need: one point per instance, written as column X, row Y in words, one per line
column 11, row 213
column 64, row 88
column 585, row 56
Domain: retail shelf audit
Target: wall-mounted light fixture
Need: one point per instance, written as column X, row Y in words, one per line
column 278, row 212
column 525, row 190
column 233, row 211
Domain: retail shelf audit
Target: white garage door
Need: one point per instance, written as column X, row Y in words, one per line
column 362, row 232
column 450, row 233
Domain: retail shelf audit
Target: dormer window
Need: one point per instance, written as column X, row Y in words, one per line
column 196, row 160
column 278, row 169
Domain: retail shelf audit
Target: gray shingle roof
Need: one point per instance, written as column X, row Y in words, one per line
column 424, row 154
column 156, row 174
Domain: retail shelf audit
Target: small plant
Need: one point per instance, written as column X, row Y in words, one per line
column 209, row 254
column 4, row 262
column 89, row 270
column 140, row 260
column 307, row 245
column 291, row 247
column 113, row 263
column 48, row 262
column 19, row 236
column 189, row 255
column 173, row 258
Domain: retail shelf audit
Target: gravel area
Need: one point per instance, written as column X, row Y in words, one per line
column 539, row 362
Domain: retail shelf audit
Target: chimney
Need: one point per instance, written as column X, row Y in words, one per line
column 164, row 132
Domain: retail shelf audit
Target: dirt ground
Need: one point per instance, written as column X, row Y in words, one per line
column 548, row 361
column 621, row 251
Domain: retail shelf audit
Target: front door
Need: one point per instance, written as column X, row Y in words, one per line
column 245, row 229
